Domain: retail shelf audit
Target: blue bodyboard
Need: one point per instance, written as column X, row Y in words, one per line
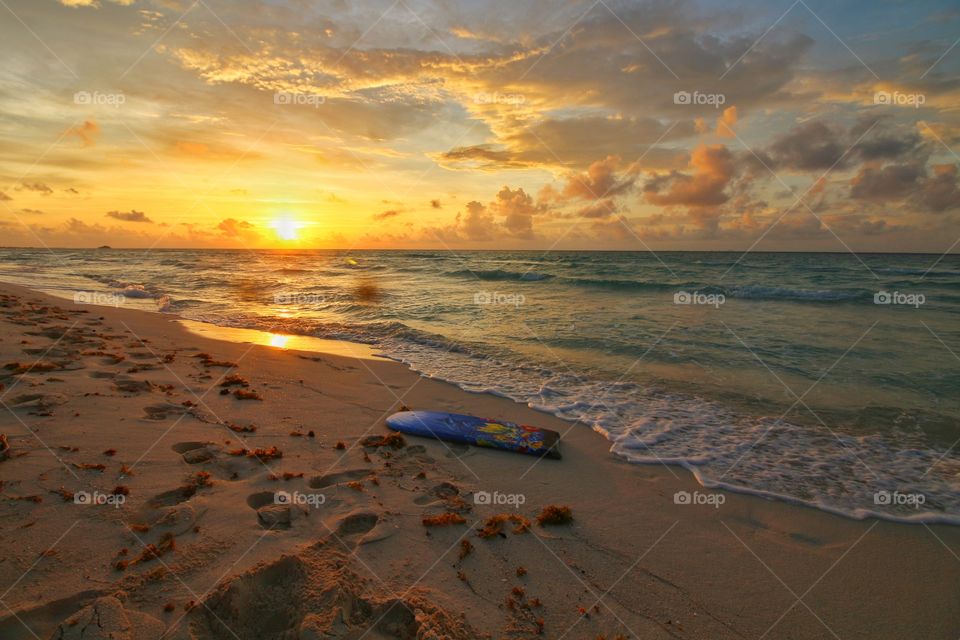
column 483, row 432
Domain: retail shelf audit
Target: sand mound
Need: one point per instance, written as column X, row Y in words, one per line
column 107, row 619
column 316, row 595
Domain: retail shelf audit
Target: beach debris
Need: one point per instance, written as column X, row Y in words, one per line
column 493, row 525
column 110, row 452
column 392, row 440
column 18, row 368
column 443, row 520
column 554, row 514
column 263, row 455
column 238, row 429
column 466, row 548
column 194, row 482
column 286, row 476
column 340, row 445
column 4, row 447
column 234, row 379
column 166, row 544
column 244, row 394
column 87, row 466
column 66, row 494
column 521, row 571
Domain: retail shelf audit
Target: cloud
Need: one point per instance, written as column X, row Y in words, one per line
column 941, row 192
column 391, row 213
column 435, row 204
column 517, row 208
column 481, row 156
column 510, row 216
column 233, row 228
column 713, row 168
column 600, row 209
column 886, row 182
column 38, row 187
column 813, row 146
column 909, row 184
column 86, row 132
column 600, row 180
column 477, row 224
column 726, row 121
column 31, row 211
column 4, row 197
column 129, row 216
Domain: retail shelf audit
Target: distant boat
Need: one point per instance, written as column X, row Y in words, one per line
column 106, row 246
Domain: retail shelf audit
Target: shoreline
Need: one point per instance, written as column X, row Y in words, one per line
column 342, row 347
column 658, row 569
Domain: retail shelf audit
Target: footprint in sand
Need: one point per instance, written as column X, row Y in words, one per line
column 339, row 477
column 170, row 498
column 222, row 466
column 438, row 493
column 195, row 452
column 459, row 451
column 162, row 410
column 357, row 523
column 127, row 384
column 271, row 513
column 42, row 401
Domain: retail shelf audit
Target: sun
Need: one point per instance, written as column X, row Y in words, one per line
column 287, row 228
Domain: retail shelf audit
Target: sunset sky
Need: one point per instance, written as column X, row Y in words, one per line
column 452, row 124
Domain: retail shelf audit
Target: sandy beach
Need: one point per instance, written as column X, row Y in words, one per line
column 177, row 532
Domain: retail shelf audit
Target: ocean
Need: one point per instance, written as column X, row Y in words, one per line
column 830, row 380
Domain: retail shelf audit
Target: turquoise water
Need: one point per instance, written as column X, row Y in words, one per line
column 827, row 379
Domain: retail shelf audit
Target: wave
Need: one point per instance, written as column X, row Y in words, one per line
column 758, row 292
column 501, row 274
column 746, row 292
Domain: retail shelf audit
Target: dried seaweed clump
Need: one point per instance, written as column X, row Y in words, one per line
column 443, row 520
column 494, row 524
column 555, row 514
column 393, row 440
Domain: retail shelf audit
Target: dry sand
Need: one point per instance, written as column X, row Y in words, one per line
column 112, row 400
